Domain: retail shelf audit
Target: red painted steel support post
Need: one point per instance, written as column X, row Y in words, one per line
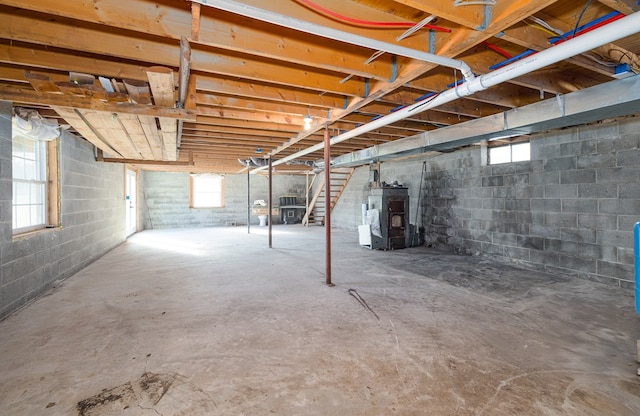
column 327, row 204
column 270, row 207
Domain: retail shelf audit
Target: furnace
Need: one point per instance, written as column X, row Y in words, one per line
column 392, row 205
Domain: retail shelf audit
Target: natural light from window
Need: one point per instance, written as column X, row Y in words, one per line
column 517, row 152
column 207, row 191
column 29, row 164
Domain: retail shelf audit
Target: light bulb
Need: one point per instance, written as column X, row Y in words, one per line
column 307, row 120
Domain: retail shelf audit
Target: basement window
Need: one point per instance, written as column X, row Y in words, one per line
column 207, row 191
column 35, row 184
column 512, row 152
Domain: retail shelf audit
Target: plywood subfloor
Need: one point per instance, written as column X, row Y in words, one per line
column 212, row 322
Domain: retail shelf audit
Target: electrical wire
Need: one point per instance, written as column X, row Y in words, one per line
column 426, row 101
column 568, row 35
column 584, row 9
column 635, row 68
column 545, row 25
column 373, row 57
column 416, row 27
column 544, row 29
column 599, row 59
column 369, row 23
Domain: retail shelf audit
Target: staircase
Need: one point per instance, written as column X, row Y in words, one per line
column 316, row 210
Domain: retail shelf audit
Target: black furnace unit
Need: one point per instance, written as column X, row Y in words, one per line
column 290, row 211
column 393, row 204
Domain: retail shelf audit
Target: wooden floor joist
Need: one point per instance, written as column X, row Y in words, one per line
column 163, row 90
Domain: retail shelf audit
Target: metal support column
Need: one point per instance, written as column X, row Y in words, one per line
column 270, row 205
column 636, row 250
column 306, row 199
column 327, row 204
column 248, row 202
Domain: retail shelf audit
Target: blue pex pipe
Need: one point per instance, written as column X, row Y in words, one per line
column 570, row 33
column 424, row 97
column 513, row 59
column 636, row 250
column 555, row 40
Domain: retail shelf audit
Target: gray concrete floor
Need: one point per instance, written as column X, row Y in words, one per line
column 212, row 322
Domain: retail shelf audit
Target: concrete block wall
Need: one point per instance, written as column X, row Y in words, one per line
column 92, row 221
column 570, row 210
column 348, row 211
column 141, row 203
column 166, row 198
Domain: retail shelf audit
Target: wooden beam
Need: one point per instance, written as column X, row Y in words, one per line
column 138, row 91
column 348, row 8
column 100, row 158
column 80, row 124
column 190, row 100
column 42, row 83
column 623, row 6
column 153, row 136
column 184, row 71
column 136, row 74
column 195, row 21
column 109, row 128
column 59, row 60
column 228, row 31
column 191, row 128
column 261, row 116
column 265, row 91
column 219, row 100
column 48, row 61
column 207, row 120
column 227, row 139
column 134, row 130
column 183, row 80
column 94, row 40
column 60, row 100
column 162, row 87
column 453, row 45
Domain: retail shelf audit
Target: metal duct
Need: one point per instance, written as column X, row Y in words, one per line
column 616, row 98
column 259, row 161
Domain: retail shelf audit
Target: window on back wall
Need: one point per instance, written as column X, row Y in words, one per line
column 507, row 153
column 207, row 191
column 35, row 200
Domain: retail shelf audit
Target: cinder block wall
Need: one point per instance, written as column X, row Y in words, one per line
column 571, row 209
column 348, row 211
column 166, row 198
column 92, row 219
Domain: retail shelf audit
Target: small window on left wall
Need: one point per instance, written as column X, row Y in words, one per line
column 35, row 184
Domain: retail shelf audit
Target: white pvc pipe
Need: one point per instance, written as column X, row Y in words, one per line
column 616, row 30
column 329, row 33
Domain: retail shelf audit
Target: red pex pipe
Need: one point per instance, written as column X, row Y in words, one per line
column 497, row 49
column 359, row 22
column 592, row 27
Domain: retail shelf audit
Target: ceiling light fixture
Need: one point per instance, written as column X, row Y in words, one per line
column 307, row 120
